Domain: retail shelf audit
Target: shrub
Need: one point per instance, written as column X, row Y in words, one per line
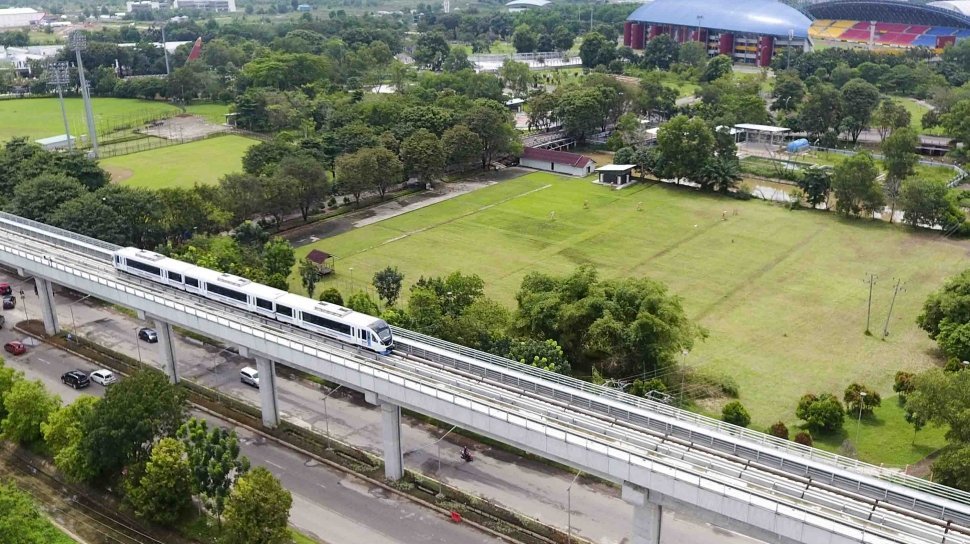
column 735, row 413
column 859, row 397
column 332, row 295
column 903, row 384
column 822, row 413
column 779, row 430
column 716, row 383
column 804, row 438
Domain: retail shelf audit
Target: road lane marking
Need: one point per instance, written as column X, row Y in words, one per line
column 275, row 465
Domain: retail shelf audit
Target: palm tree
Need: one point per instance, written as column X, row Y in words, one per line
column 720, row 174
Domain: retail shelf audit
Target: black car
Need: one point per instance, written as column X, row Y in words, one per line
column 9, row 302
column 148, row 335
column 75, row 379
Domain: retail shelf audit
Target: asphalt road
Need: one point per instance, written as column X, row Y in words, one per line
column 342, row 509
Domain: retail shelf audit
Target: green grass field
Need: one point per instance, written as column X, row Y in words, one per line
column 182, row 165
column 781, row 292
column 41, row 117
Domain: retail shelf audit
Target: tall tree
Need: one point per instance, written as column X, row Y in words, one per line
column 855, row 187
column 493, row 125
column 899, row 160
column 28, row 405
column 39, row 198
column 214, row 462
column 258, row 510
column 524, row 39
column 63, row 431
column 928, row 203
column 309, row 276
column 162, row 491
column 278, row 257
column 816, row 182
column 860, row 99
column 660, row 52
column 788, row 92
column 423, row 156
column 516, row 75
column 132, row 415
column 685, row 144
column 822, row 111
column 890, row 115
column 388, row 282
column 431, row 50
column 312, row 185
column 596, row 50
column 460, row 145
column 8, row 377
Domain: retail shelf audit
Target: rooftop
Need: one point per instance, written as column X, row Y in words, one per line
column 317, row 256
column 755, row 16
column 560, row 157
column 761, row 128
column 616, row 168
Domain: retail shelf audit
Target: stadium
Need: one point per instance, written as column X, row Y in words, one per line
column 755, row 31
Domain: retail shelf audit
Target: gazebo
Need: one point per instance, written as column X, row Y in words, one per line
column 322, row 260
column 763, row 133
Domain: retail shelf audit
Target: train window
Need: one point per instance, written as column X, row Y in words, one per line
column 175, row 277
column 228, row 293
column 191, row 281
column 118, row 259
column 145, row 267
column 266, row 304
column 284, row 310
column 326, row 323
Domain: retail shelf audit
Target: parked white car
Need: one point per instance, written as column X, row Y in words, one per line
column 103, row 376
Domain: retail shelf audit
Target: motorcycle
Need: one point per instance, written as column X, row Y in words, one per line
column 466, row 456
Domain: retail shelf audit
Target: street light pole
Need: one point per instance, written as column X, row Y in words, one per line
column 138, row 344
column 351, row 280
column 59, row 75
column 858, row 427
column 569, row 509
column 683, row 374
column 78, row 41
column 326, row 416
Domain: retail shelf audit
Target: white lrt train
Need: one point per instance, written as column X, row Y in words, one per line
column 320, row 317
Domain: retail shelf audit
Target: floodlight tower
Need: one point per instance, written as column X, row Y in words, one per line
column 59, row 75
column 78, row 41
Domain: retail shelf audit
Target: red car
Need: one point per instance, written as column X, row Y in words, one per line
column 5, row 289
column 15, row 348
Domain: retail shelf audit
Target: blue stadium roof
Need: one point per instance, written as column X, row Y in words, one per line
column 767, row 17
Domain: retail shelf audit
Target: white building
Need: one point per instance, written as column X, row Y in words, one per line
column 206, row 5
column 19, row 56
column 17, row 17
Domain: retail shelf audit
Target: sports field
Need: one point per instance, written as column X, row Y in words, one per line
column 41, row 117
column 781, row 292
column 183, row 165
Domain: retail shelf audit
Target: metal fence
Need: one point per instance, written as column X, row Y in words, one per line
column 959, row 175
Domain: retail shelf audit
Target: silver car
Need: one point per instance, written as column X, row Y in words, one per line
column 103, row 376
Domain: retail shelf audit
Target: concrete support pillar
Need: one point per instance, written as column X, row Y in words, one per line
column 166, row 349
column 267, row 391
column 391, row 427
column 647, row 515
column 45, row 292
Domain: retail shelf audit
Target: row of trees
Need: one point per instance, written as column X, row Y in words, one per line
column 619, row 327
column 139, row 436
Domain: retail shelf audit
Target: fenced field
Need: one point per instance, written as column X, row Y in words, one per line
column 183, row 165
column 781, row 292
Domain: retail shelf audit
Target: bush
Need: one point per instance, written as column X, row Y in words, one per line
column 804, row 438
column 735, row 413
column 903, row 384
column 332, row 295
column 716, row 383
column 859, row 397
column 822, row 413
column 779, row 430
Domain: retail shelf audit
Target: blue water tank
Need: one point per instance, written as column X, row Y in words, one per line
column 798, row 145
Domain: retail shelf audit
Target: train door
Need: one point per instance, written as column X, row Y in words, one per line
column 364, row 337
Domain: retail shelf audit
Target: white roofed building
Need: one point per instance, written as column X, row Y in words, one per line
column 18, row 17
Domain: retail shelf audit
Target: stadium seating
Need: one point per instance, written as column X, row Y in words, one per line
column 890, row 34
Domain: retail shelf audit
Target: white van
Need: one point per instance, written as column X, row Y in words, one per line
column 250, row 376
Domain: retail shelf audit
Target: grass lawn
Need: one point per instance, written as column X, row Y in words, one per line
column 214, row 113
column 780, row 292
column 182, row 165
column 884, row 437
column 916, row 111
column 41, row 117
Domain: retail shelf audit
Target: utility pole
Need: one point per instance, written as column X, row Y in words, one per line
column 791, row 37
column 591, row 18
column 165, row 51
column 871, row 281
column 78, row 41
column 59, row 75
column 896, row 290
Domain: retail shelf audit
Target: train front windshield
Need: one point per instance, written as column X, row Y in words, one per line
column 383, row 331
